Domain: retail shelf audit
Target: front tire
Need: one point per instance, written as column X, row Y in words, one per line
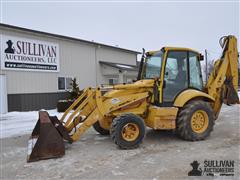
column 195, row 121
column 127, row 131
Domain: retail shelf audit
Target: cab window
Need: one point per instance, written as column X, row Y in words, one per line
column 153, row 65
column 195, row 71
column 175, row 76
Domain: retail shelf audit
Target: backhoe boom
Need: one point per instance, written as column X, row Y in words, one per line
column 222, row 84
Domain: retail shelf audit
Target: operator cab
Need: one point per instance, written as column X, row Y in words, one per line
column 176, row 69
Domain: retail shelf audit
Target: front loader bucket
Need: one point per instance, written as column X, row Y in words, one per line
column 46, row 140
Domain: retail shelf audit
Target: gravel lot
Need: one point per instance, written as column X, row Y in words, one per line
column 161, row 156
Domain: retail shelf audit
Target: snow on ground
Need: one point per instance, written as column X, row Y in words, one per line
column 161, row 155
column 19, row 123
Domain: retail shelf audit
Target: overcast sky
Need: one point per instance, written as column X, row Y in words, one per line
column 133, row 25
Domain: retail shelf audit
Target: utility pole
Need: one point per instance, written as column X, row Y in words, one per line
column 206, row 66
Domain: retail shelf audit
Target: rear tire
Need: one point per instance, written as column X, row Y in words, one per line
column 127, row 131
column 195, row 121
column 99, row 129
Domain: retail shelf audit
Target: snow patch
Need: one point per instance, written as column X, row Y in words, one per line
column 101, row 138
column 14, row 124
column 149, row 161
column 12, row 153
column 117, row 173
column 83, row 168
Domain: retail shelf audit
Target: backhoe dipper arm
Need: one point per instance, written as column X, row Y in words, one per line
column 222, row 84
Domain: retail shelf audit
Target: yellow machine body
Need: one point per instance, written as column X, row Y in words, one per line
column 137, row 98
column 145, row 97
column 190, row 94
column 161, row 117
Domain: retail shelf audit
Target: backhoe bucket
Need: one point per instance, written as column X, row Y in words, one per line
column 47, row 137
column 231, row 95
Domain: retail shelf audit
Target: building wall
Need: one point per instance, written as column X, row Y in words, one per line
column 34, row 101
column 77, row 59
column 110, row 72
column 80, row 60
column 109, row 55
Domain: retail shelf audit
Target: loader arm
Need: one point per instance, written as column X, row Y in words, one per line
column 92, row 106
column 222, row 84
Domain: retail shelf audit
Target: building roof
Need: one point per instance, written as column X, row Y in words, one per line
column 66, row 37
column 120, row 66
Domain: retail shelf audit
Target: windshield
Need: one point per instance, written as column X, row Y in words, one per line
column 153, row 65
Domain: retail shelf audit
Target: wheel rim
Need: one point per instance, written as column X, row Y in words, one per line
column 199, row 121
column 130, row 132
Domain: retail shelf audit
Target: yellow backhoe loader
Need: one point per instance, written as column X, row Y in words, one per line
column 168, row 95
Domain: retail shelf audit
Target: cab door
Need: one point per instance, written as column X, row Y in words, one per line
column 175, row 76
column 195, row 74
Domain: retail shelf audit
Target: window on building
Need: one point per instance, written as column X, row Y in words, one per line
column 61, row 83
column 112, row 81
column 68, row 83
column 64, row 83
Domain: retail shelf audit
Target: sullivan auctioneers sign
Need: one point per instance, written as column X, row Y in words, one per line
column 28, row 54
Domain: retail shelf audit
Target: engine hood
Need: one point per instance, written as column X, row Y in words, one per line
column 140, row 86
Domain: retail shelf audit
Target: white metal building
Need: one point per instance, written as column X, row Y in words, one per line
column 36, row 67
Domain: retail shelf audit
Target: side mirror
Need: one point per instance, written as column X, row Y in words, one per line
column 166, row 74
column 201, row 57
